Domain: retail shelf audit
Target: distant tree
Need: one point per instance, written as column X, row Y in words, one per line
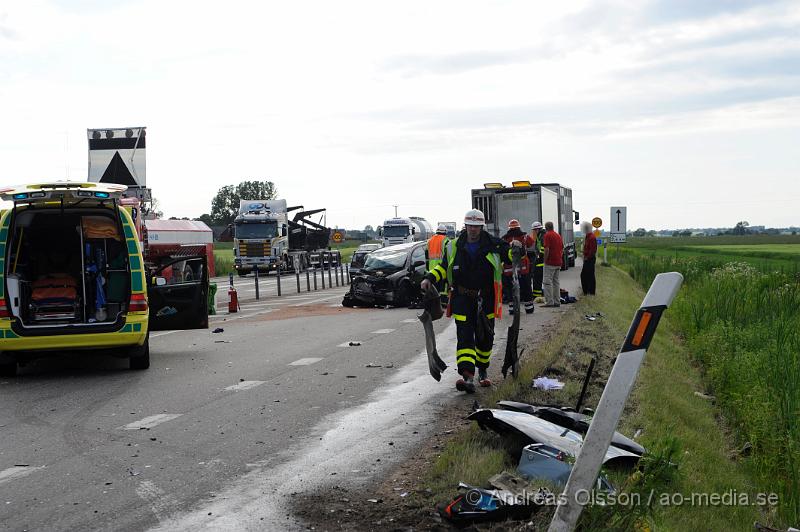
column 154, row 210
column 651, row 232
column 686, row 232
column 676, row 233
column 640, row 232
column 225, row 204
column 206, row 219
column 741, row 228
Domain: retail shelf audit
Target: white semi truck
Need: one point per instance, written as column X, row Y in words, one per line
column 528, row 203
column 264, row 238
column 403, row 230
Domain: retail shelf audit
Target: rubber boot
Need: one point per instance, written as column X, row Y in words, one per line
column 466, row 383
column 483, row 378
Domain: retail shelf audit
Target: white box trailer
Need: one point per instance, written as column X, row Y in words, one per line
column 528, row 203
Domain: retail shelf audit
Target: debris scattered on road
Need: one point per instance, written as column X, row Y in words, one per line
column 354, row 344
column 350, row 376
column 546, row 383
column 218, row 330
column 371, row 365
column 375, row 501
column 222, row 341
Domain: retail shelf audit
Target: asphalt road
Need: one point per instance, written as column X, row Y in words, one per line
column 224, row 426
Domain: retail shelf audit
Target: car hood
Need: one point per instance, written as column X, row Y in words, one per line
column 540, row 431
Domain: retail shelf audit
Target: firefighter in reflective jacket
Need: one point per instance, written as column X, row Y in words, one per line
column 436, row 245
column 536, row 255
column 524, row 274
column 473, row 266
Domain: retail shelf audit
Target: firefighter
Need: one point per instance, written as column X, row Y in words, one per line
column 536, row 256
column 524, row 273
column 472, row 264
column 434, row 251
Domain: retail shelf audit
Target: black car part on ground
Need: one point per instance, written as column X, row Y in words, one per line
column 435, row 364
column 537, row 430
column 511, row 360
column 569, row 420
column 475, row 505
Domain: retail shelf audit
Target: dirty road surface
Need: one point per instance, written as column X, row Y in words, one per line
column 294, row 394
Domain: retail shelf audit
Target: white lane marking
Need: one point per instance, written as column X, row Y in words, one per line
column 13, row 473
column 305, row 361
column 164, row 333
column 320, row 300
column 159, row 502
column 244, row 385
column 347, row 344
column 383, row 331
column 411, row 320
column 149, row 422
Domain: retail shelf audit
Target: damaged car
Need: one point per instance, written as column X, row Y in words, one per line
column 391, row 276
column 360, row 257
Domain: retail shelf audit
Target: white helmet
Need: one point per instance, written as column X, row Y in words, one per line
column 441, row 230
column 536, row 225
column 474, row 217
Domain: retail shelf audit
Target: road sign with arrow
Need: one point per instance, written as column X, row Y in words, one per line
column 618, row 224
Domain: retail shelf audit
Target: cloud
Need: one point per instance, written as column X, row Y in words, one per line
column 7, row 31
column 668, row 11
column 422, row 64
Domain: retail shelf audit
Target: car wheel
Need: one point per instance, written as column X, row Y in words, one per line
column 348, row 302
column 8, row 368
column 139, row 355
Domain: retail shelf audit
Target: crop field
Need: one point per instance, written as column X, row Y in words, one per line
column 740, row 316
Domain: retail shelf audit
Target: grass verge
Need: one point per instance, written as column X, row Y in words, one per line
column 681, row 426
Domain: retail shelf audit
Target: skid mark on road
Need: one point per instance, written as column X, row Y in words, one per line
column 160, row 503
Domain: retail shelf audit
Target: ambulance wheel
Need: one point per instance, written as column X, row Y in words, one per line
column 8, row 368
column 139, row 355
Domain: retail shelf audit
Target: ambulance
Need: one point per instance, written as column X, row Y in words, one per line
column 73, row 277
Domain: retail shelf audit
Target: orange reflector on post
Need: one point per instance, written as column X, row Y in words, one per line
column 644, row 321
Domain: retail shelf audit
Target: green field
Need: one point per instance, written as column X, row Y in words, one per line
column 739, row 312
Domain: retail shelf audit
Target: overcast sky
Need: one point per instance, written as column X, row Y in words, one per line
column 687, row 112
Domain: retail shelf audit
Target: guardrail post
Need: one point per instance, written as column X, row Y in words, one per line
column 335, row 270
column 315, row 278
column 308, row 282
column 255, row 276
column 322, row 274
column 278, row 279
column 347, row 272
column 330, row 283
column 297, row 276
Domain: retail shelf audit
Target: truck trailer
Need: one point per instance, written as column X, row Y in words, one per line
column 528, row 203
column 264, row 238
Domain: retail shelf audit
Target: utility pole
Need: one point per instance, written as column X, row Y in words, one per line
column 395, row 210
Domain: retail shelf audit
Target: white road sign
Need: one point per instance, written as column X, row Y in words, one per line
column 618, row 220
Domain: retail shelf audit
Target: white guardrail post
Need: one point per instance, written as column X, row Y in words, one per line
column 587, row 465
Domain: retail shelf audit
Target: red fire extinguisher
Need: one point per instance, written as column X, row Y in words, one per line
column 233, row 300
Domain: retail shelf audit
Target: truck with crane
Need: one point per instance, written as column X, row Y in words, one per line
column 266, row 238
